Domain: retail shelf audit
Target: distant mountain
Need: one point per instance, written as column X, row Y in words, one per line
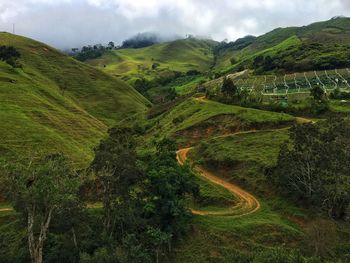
column 321, row 45
column 57, row 104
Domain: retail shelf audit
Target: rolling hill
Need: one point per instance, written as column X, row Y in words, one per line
column 321, row 45
column 57, row 104
column 157, row 60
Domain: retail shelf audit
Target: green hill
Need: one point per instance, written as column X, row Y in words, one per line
column 180, row 55
column 56, row 104
column 322, row 45
column 195, row 119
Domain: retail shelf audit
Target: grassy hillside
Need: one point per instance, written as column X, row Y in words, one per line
column 197, row 118
column 56, row 104
column 180, row 55
column 241, row 159
column 317, row 46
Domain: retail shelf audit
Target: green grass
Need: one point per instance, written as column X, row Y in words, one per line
column 243, row 158
column 192, row 113
column 180, row 55
column 340, row 106
column 226, row 239
column 261, row 147
column 212, row 197
column 38, row 118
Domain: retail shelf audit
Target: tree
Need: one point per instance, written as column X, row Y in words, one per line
column 115, row 167
column 38, row 191
column 166, row 187
column 142, row 85
column 312, row 166
column 157, row 239
column 318, row 93
column 228, row 88
column 10, row 55
column 233, row 60
column 258, row 62
column 111, row 45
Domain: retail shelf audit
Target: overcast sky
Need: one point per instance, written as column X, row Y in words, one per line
column 72, row 23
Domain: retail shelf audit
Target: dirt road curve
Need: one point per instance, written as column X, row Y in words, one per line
column 246, row 204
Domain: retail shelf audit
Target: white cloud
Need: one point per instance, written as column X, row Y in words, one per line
column 67, row 23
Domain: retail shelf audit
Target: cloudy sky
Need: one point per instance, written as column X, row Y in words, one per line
column 72, row 23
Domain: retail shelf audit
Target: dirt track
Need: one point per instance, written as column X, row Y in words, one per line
column 246, row 204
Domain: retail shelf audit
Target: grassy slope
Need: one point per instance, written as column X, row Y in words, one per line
column 38, row 118
column 179, row 55
column 247, row 154
column 225, row 239
column 326, row 33
column 192, row 112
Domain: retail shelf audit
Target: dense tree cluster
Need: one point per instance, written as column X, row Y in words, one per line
column 143, row 205
column 40, row 191
column 141, row 40
column 313, row 166
column 10, row 55
column 92, row 52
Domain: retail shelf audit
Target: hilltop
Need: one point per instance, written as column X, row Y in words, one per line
column 180, row 55
column 54, row 103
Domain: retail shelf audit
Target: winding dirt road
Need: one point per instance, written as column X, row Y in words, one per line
column 246, row 203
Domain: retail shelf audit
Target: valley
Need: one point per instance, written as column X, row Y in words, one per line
column 189, row 150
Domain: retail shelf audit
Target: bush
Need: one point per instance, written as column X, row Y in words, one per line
column 10, row 55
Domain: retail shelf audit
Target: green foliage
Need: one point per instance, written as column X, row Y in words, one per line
column 39, row 191
column 228, row 88
column 313, row 168
column 10, row 55
column 280, row 255
column 116, row 171
column 168, row 184
column 337, row 94
column 318, row 93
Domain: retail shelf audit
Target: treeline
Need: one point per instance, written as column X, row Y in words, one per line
column 97, row 50
column 141, row 40
column 92, row 52
column 137, row 205
column 10, row 55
